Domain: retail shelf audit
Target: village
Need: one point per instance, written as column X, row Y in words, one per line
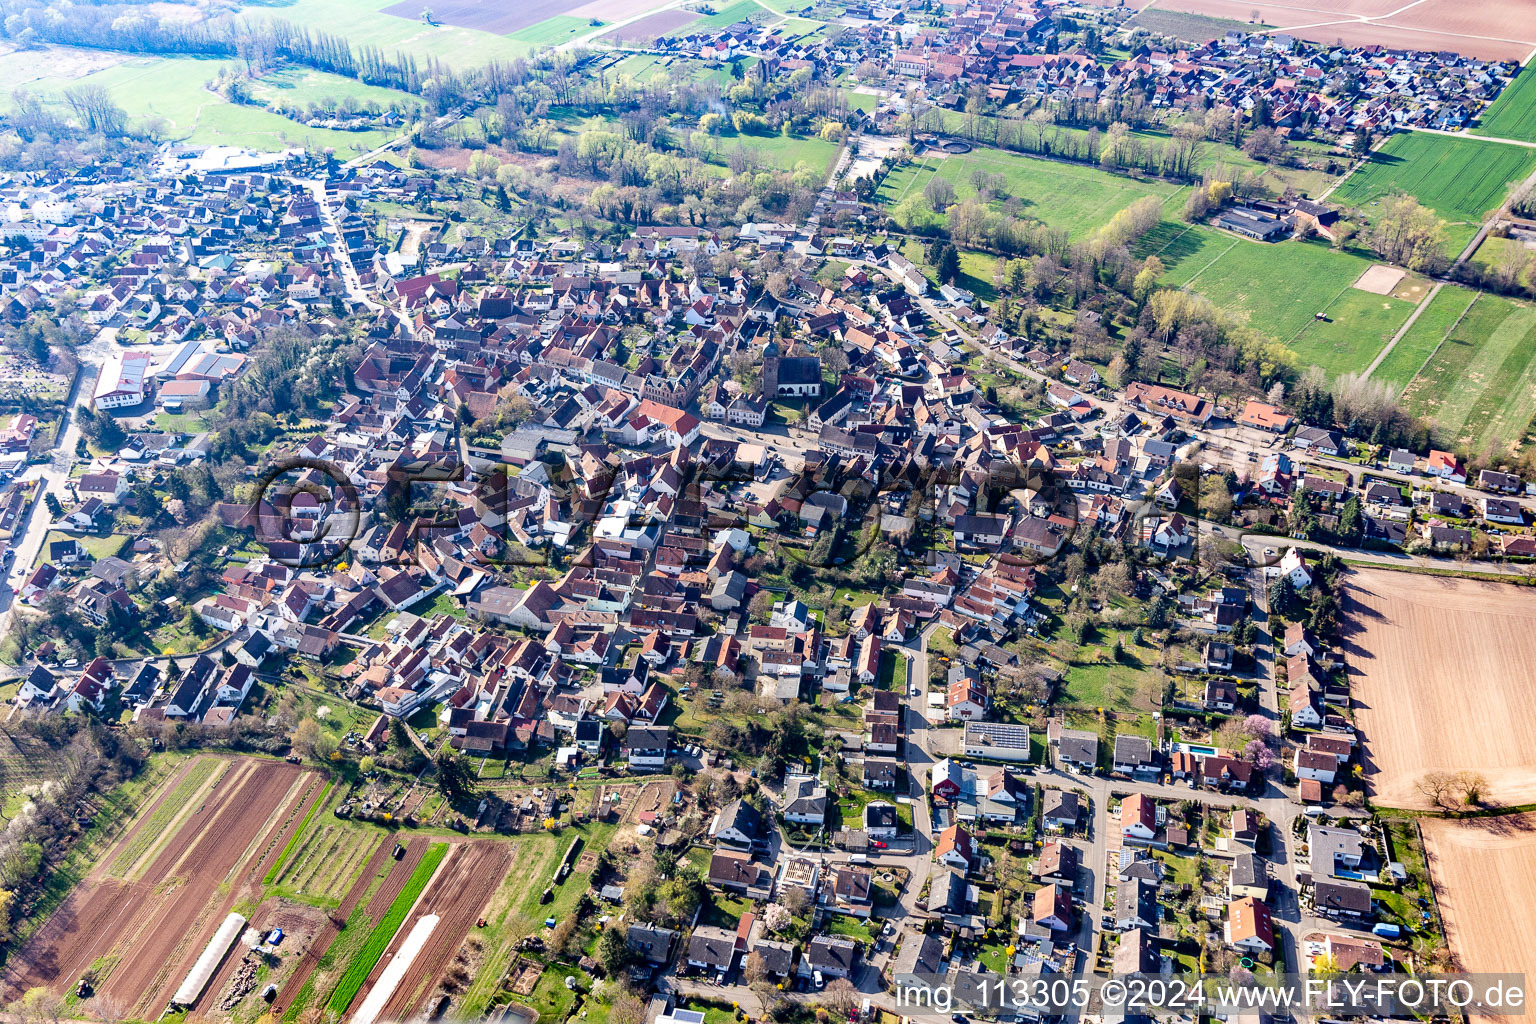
column 609, row 569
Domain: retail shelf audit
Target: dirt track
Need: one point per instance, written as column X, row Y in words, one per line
column 457, row 894
column 1443, row 676
column 156, row 927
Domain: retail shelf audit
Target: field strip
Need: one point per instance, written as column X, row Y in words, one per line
column 262, row 840
column 241, row 773
column 362, row 965
column 1382, row 355
column 395, row 972
column 1482, row 370
column 292, row 843
column 1452, row 330
column 1191, row 282
column 136, row 870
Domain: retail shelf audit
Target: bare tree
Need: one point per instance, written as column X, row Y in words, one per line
column 1438, row 788
column 1472, row 786
column 840, row 997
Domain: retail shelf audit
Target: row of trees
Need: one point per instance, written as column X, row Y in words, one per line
column 80, row 759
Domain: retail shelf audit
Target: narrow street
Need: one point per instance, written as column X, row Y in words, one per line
column 54, row 475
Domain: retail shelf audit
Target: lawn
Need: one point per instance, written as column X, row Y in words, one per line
column 852, row 927
column 1122, row 685
column 288, row 86
column 1218, row 158
column 378, row 939
column 975, row 275
column 1279, row 287
column 173, row 88
column 893, row 671
column 1480, row 387
column 1513, row 114
column 724, row 911
column 785, row 152
column 442, row 603
column 1074, row 197
column 1415, row 347
column 551, row 999
column 1460, row 179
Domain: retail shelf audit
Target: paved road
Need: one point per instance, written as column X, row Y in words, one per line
column 54, row 475
column 349, row 276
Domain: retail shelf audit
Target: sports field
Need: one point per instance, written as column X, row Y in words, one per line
column 1513, row 114
column 1074, row 197
column 1279, row 288
column 1460, row 179
column 1480, row 387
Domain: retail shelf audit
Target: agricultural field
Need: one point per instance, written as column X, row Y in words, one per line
column 449, row 906
column 645, row 31
column 365, row 964
column 1477, row 28
column 514, row 908
column 323, row 867
column 367, row 24
column 727, row 15
column 185, row 797
column 1421, row 341
column 1513, row 114
column 1484, row 874
column 1460, row 179
column 1451, row 672
column 1280, row 287
column 1074, row 197
column 1479, row 388
column 256, row 836
column 213, row 861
